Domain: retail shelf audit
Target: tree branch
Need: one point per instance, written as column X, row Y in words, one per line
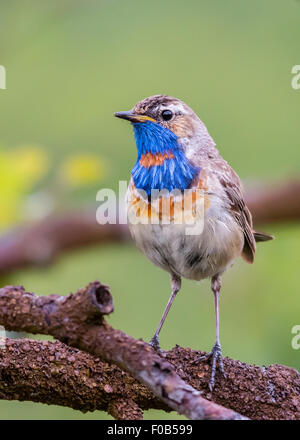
column 53, row 373
column 41, row 242
column 78, row 321
column 261, row 393
column 275, row 202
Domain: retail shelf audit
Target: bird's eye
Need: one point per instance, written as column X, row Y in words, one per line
column 166, row 115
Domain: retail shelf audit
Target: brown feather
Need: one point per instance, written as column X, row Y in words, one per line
column 242, row 215
column 262, row 236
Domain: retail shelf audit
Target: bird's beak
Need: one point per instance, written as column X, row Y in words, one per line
column 133, row 117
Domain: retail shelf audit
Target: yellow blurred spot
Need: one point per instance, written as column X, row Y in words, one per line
column 82, row 170
column 20, row 169
column 30, row 162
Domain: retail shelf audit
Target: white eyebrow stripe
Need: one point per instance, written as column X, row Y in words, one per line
column 176, row 108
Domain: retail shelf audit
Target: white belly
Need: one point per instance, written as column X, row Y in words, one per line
column 192, row 256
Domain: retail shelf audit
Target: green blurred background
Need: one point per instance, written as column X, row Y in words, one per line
column 70, row 65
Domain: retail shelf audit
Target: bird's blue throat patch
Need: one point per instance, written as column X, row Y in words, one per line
column 161, row 162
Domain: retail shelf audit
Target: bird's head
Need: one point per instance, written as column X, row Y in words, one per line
column 170, row 114
column 168, row 135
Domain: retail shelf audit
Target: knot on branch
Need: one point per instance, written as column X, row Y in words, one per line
column 101, row 297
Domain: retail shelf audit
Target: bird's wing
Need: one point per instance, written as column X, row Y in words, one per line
column 233, row 190
column 230, row 183
column 244, row 218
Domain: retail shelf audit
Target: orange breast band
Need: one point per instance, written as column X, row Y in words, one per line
column 149, row 159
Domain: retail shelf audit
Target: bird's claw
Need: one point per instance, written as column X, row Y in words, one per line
column 217, row 361
column 155, row 343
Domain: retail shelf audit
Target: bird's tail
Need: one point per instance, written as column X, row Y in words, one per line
column 261, row 236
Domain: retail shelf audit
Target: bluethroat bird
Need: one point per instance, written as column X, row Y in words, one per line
column 176, row 153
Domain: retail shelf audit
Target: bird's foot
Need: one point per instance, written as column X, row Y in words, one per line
column 155, row 344
column 217, row 361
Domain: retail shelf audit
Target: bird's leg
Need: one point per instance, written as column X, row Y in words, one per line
column 216, row 352
column 175, row 285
